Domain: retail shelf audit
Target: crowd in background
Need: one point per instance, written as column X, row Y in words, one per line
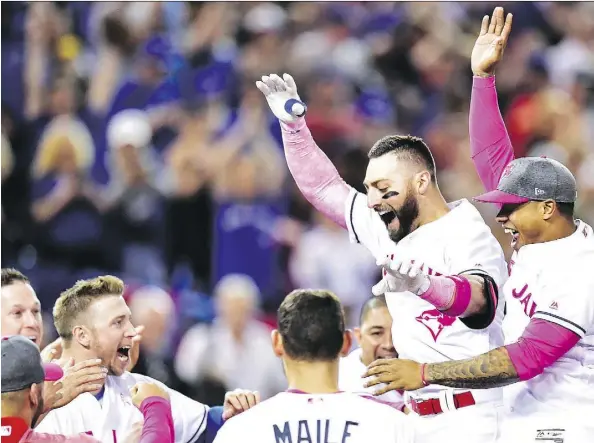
column 135, row 143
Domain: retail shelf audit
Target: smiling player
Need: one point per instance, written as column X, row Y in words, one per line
column 93, row 321
column 404, row 216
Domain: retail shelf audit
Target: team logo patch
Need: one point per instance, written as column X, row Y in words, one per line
column 6, row 431
column 556, row 435
column 435, row 321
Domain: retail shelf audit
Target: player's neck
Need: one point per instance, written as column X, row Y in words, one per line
column 312, row 377
column 562, row 228
column 432, row 208
column 78, row 354
column 12, row 410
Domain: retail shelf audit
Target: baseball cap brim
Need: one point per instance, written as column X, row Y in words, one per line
column 53, row 372
column 500, row 197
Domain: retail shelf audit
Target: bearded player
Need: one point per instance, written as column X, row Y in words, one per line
column 548, row 364
column 455, row 311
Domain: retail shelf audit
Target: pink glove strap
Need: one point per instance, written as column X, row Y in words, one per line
column 440, row 293
column 461, row 297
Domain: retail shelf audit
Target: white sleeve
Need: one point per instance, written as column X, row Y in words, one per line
column 189, row 416
column 364, row 224
column 569, row 301
column 405, row 432
column 49, row 425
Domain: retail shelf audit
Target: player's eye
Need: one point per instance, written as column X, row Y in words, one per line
column 118, row 322
column 36, row 311
column 16, row 314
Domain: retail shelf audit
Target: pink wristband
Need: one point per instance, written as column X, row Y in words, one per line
column 423, row 375
column 462, row 297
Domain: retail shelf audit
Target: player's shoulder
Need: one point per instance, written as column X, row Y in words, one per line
column 380, row 406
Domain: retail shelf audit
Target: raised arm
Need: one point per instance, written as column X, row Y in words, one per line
column 490, row 146
column 315, row 175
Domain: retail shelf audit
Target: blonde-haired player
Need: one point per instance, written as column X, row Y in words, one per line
column 310, row 338
column 93, row 321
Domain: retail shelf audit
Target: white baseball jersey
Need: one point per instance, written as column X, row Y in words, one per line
column 349, row 379
column 554, row 281
column 111, row 418
column 458, row 242
column 292, row 417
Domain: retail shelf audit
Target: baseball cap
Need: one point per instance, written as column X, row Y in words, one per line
column 22, row 365
column 533, row 179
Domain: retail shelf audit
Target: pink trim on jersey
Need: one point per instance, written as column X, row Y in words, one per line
column 313, row 172
column 399, row 405
column 542, row 344
column 158, row 421
column 490, row 145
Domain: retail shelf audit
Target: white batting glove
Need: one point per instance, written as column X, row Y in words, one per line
column 401, row 276
column 281, row 95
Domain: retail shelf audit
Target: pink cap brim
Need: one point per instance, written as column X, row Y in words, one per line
column 500, row 197
column 53, row 372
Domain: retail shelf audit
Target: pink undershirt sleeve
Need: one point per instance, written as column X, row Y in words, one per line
column 490, row 146
column 158, row 421
column 542, row 344
column 315, row 175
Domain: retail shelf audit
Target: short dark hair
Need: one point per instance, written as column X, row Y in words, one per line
column 11, row 275
column 566, row 209
column 411, row 147
column 370, row 304
column 311, row 324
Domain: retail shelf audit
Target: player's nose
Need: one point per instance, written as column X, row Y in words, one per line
column 373, row 199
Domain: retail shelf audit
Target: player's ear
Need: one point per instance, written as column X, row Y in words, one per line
column 357, row 335
column 347, row 342
column 81, row 335
column 422, row 181
column 277, row 343
column 35, row 393
column 547, row 208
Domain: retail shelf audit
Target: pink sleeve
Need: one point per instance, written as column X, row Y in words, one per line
column 541, row 345
column 490, row 146
column 158, row 421
column 315, row 175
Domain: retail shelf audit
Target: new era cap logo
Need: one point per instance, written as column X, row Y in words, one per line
column 538, row 191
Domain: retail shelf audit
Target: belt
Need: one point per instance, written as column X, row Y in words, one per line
column 432, row 406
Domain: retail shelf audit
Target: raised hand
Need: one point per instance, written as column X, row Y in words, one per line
column 282, row 97
column 238, row 401
column 490, row 44
column 142, row 391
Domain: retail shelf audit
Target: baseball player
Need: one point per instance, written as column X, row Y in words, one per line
column 374, row 336
column 550, row 292
column 310, row 338
column 21, row 315
column 455, row 311
column 93, row 321
column 23, row 374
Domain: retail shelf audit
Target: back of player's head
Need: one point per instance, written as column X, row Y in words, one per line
column 311, row 324
column 76, row 301
column 370, row 304
column 408, row 147
column 11, row 276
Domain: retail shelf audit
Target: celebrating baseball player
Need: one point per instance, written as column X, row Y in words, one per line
column 449, row 307
column 374, row 336
column 550, row 293
column 93, row 321
column 310, row 338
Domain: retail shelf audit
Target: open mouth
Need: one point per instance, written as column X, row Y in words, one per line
column 515, row 235
column 387, row 216
column 124, row 353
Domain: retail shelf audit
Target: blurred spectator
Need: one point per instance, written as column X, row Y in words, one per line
column 235, row 350
column 324, row 257
column 135, row 196
column 153, row 308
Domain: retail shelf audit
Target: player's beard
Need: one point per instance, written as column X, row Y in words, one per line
column 37, row 412
column 407, row 214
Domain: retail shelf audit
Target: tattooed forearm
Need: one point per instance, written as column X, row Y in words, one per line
column 484, row 371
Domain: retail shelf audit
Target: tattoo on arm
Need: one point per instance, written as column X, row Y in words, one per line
column 489, row 370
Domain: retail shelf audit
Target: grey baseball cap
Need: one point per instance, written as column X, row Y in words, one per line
column 533, row 179
column 22, row 365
